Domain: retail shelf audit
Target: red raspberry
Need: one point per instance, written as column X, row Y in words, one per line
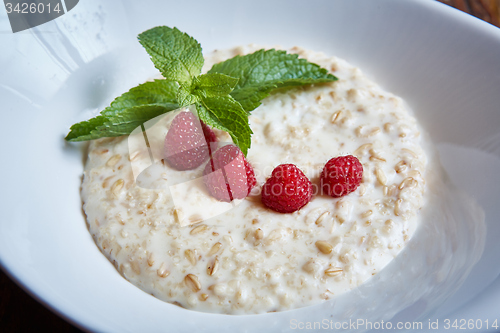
column 186, row 142
column 228, row 175
column 341, row 175
column 287, row 190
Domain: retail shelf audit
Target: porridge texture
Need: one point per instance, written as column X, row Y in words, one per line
column 250, row 259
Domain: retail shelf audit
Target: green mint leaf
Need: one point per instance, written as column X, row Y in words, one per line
column 82, row 131
column 213, row 85
column 263, row 71
column 128, row 120
column 185, row 96
column 159, row 93
column 225, row 113
column 177, row 55
column 122, row 123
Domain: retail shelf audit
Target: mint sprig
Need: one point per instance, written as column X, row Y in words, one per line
column 223, row 97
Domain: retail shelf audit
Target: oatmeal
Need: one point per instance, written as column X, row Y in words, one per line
column 246, row 258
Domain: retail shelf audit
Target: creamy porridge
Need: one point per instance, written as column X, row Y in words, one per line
column 250, row 259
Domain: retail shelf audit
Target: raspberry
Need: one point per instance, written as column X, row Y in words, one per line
column 287, row 190
column 228, row 175
column 186, row 142
column 341, row 175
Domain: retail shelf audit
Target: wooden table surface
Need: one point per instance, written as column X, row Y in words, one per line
column 15, row 304
column 487, row 10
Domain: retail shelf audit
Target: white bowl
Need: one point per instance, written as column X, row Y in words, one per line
column 444, row 63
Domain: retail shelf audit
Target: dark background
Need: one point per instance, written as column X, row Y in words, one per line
column 19, row 312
